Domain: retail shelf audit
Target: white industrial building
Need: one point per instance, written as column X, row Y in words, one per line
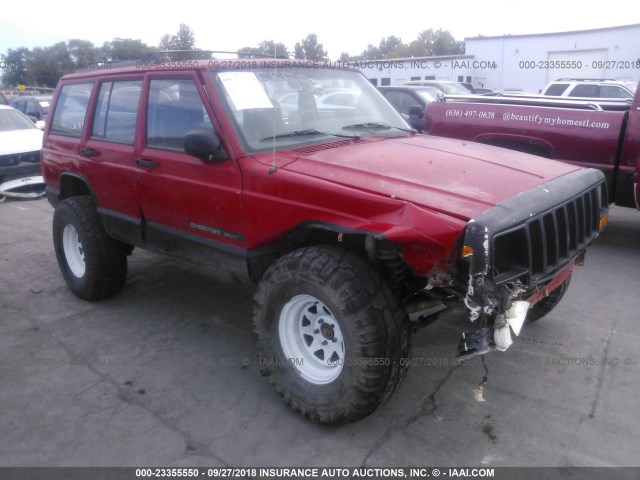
column 523, row 62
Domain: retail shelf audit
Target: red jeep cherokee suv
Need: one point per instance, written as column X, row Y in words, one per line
column 356, row 228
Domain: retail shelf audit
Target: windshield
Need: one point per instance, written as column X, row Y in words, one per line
column 455, row 89
column 632, row 86
column 11, row 119
column 429, row 94
column 288, row 107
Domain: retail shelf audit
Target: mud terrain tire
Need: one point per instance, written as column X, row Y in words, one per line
column 93, row 264
column 331, row 337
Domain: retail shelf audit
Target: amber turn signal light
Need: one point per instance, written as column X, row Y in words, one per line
column 603, row 221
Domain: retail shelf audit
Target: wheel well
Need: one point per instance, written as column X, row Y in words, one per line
column 72, row 186
column 355, row 242
column 379, row 252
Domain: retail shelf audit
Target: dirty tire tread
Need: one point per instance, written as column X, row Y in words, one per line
column 105, row 258
column 364, row 295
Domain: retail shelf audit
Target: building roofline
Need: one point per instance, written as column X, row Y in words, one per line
column 527, row 35
column 406, row 59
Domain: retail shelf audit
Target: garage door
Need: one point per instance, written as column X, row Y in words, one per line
column 586, row 57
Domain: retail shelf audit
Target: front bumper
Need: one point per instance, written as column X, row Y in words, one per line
column 19, row 164
column 525, row 247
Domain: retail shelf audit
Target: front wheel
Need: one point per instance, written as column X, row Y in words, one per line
column 544, row 306
column 331, row 337
column 93, row 264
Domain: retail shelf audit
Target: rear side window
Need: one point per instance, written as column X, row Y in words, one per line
column 71, row 109
column 116, row 111
column 585, row 91
column 556, row 89
column 613, row 91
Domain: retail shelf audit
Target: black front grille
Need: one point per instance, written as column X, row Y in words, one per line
column 547, row 241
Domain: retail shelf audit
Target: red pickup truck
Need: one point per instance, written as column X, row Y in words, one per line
column 603, row 135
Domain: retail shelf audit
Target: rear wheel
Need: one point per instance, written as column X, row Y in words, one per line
column 332, row 339
column 544, row 306
column 92, row 263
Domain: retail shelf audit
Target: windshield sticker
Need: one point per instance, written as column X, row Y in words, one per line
column 245, row 90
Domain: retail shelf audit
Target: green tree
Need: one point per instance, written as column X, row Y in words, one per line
column 445, row 44
column 423, row 45
column 16, row 68
column 392, row 47
column 48, row 64
column 43, row 66
column 371, row 53
column 125, row 49
column 181, row 46
column 439, row 42
column 310, row 49
column 266, row 48
column 82, row 52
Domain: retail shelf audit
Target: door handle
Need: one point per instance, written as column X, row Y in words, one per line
column 88, row 152
column 141, row 162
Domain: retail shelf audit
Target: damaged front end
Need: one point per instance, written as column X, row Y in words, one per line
column 516, row 253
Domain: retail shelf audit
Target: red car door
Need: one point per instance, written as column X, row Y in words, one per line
column 187, row 203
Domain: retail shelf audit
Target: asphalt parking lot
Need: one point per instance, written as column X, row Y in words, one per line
column 164, row 374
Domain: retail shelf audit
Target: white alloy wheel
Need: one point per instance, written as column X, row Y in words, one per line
column 311, row 339
column 73, row 251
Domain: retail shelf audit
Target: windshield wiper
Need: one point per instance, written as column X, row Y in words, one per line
column 376, row 126
column 308, row 131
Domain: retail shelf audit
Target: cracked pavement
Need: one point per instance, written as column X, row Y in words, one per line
column 165, row 374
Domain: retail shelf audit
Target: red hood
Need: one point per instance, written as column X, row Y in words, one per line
column 459, row 178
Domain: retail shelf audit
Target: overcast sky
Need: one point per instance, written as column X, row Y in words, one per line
column 340, row 25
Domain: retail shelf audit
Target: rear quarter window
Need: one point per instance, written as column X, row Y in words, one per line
column 71, row 109
column 556, row 89
column 590, row 91
column 116, row 111
column 613, row 91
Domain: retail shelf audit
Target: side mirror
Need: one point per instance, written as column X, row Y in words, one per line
column 40, row 124
column 204, row 143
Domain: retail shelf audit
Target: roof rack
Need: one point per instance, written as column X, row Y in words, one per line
column 155, row 57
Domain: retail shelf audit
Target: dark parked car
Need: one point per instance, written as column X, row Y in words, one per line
column 476, row 90
column 36, row 108
column 467, row 85
column 410, row 101
column 448, row 87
